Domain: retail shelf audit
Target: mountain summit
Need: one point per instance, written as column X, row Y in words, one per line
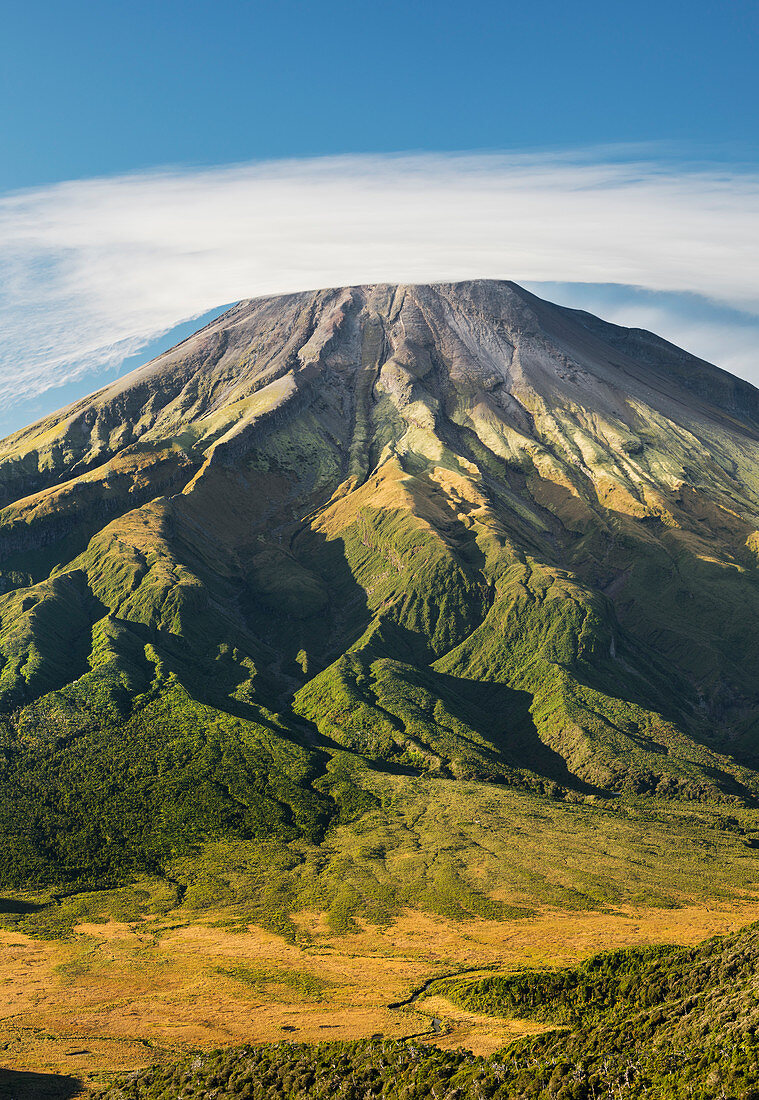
column 447, row 533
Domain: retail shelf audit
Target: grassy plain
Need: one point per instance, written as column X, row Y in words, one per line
column 101, row 981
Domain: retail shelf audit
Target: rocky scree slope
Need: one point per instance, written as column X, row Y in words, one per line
column 451, row 531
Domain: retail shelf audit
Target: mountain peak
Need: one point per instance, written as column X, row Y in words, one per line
column 491, row 338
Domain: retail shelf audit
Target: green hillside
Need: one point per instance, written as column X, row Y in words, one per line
column 446, row 534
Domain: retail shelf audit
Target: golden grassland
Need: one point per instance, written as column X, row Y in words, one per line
column 123, row 995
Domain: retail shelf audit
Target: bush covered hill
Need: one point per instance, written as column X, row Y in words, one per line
column 661, row 1022
column 449, row 533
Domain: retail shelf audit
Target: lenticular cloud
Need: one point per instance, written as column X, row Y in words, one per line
column 94, row 269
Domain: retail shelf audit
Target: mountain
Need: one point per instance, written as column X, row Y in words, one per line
column 436, row 534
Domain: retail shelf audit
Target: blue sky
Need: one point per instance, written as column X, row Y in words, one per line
column 98, row 88
column 107, row 106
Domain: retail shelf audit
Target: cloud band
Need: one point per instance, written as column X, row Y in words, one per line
column 93, row 269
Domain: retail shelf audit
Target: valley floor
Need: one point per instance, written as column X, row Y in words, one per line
column 120, row 996
column 100, row 982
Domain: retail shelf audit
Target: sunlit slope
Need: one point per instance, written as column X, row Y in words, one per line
column 451, row 531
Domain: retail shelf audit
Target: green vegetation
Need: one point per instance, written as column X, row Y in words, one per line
column 293, row 1070
column 90, row 799
column 55, row 916
column 445, row 847
column 666, row 1022
column 305, row 592
column 307, row 986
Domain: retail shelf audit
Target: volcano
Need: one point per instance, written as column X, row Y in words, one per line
column 439, row 535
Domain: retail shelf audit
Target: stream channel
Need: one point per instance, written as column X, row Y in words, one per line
column 437, row 1025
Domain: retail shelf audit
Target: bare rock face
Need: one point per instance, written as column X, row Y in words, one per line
column 453, row 529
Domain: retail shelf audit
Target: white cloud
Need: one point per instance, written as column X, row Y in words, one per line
column 93, row 269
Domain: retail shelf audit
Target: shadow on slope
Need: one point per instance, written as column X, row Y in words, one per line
column 501, row 716
column 22, row 1085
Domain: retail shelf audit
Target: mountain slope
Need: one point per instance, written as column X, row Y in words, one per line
column 451, row 531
